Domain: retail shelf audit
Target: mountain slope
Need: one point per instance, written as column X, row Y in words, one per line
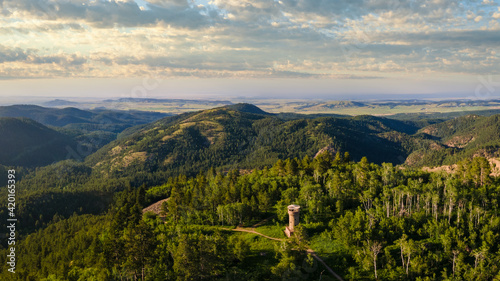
column 74, row 118
column 90, row 129
column 230, row 137
column 459, row 138
column 247, row 108
column 25, row 142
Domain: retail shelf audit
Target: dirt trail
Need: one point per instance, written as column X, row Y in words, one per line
column 157, row 206
column 251, row 230
column 310, row 251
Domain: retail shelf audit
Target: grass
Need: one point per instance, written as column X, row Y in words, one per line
column 276, row 231
column 258, row 243
column 322, row 244
column 262, row 256
column 257, row 265
column 332, row 252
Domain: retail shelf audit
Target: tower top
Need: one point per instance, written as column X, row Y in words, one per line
column 293, row 208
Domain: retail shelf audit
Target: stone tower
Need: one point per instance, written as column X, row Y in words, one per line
column 293, row 217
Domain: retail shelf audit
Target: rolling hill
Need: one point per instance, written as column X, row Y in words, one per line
column 244, row 136
column 74, row 118
column 459, row 138
column 25, row 142
column 89, row 129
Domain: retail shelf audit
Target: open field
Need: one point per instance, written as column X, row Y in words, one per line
column 353, row 108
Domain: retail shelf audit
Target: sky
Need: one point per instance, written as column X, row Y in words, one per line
column 260, row 48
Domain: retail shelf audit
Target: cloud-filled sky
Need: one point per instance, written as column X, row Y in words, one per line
column 338, row 46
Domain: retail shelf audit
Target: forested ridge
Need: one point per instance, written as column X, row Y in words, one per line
column 35, row 136
column 70, row 117
column 242, row 136
column 29, row 143
column 457, row 139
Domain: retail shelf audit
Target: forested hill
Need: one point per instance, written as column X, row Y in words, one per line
column 84, row 131
column 74, row 118
column 458, row 139
column 25, row 142
column 243, row 136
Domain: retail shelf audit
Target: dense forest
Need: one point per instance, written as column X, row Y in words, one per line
column 31, row 144
column 367, row 221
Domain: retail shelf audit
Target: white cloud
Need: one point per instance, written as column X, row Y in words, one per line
column 496, row 15
column 108, row 14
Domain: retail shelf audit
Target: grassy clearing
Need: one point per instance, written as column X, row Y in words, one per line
column 276, row 231
column 261, row 258
column 332, row 252
column 258, row 244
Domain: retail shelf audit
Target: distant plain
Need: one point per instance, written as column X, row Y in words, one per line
column 303, row 106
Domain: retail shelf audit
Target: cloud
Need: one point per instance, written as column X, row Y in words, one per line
column 18, row 58
column 109, row 14
column 12, row 54
column 496, row 15
column 31, row 28
column 63, row 60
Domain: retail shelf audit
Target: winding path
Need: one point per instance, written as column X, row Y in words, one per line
column 309, row 251
column 157, row 206
column 252, row 230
